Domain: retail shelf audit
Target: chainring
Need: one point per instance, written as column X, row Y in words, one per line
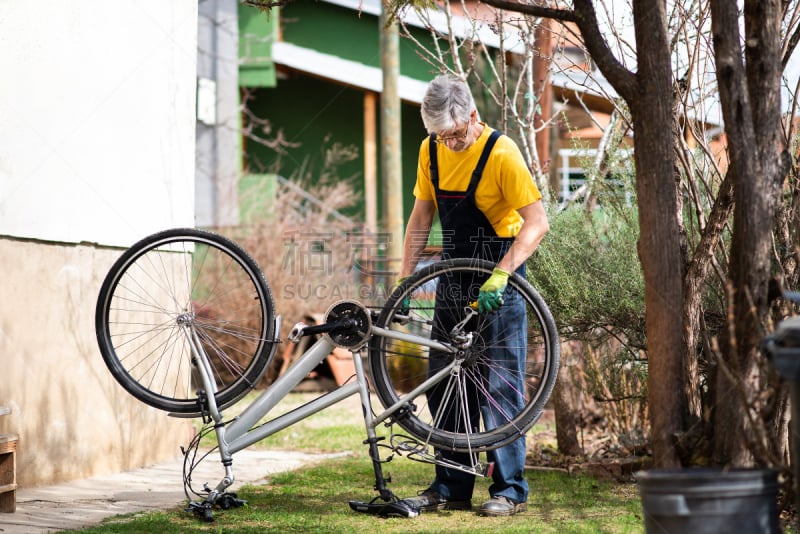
column 351, row 338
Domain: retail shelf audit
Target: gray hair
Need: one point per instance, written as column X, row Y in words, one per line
column 447, row 103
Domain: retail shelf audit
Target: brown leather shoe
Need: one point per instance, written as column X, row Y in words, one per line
column 430, row 501
column 501, row 506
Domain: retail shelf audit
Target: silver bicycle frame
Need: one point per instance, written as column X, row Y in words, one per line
column 243, row 432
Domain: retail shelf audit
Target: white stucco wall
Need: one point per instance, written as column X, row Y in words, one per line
column 97, row 117
column 97, row 111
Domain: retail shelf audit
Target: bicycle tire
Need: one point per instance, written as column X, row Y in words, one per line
column 176, row 280
column 399, row 366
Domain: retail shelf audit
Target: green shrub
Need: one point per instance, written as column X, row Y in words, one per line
column 588, row 272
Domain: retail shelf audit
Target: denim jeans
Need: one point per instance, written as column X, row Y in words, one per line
column 506, row 342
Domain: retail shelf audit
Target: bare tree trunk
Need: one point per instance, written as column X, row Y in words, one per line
column 541, row 84
column 564, row 405
column 659, row 243
column 693, row 285
column 649, row 97
column 751, row 108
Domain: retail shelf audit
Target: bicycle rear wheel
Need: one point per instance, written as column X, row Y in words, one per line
column 178, row 289
column 486, row 400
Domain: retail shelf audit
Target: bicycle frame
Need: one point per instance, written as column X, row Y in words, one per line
column 213, row 293
column 242, row 432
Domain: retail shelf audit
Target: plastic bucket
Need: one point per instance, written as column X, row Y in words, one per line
column 709, row 500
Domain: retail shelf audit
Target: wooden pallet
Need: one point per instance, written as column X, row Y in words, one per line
column 8, row 469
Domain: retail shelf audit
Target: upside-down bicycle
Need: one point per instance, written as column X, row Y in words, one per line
column 185, row 323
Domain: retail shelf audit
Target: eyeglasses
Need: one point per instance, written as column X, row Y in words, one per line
column 442, row 139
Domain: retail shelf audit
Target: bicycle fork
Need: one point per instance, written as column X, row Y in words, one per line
column 210, row 388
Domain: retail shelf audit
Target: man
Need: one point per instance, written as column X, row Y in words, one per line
column 489, row 207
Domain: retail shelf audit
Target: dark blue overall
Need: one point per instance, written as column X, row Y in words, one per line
column 467, row 233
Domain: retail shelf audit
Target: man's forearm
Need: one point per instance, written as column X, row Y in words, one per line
column 416, row 238
column 527, row 241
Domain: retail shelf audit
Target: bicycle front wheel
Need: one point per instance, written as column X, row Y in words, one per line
column 503, row 365
column 174, row 296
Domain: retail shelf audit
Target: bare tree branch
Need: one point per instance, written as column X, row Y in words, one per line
column 585, row 18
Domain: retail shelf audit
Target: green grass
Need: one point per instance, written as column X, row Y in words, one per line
column 315, row 498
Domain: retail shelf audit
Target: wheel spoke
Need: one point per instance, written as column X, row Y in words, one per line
column 488, row 401
column 178, row 282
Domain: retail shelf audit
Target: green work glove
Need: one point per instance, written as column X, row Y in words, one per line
column 406, row 304
column 491, row 296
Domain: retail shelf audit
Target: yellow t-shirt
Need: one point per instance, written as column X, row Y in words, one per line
column 506, row 184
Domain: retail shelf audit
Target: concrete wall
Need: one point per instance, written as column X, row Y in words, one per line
column 73, row 419
column 96, row 151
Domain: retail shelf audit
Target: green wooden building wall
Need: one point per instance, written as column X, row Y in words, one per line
column 315, row 113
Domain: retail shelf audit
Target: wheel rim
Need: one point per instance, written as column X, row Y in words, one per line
column 399, row 367
column 180, row 284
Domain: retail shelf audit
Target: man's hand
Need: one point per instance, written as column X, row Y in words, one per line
column 490, row 297
column 405, row 305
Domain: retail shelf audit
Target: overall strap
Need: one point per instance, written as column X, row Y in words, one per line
column 478, row 172
column 434, row 161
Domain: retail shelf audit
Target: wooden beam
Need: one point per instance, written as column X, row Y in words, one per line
column 370, row 163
